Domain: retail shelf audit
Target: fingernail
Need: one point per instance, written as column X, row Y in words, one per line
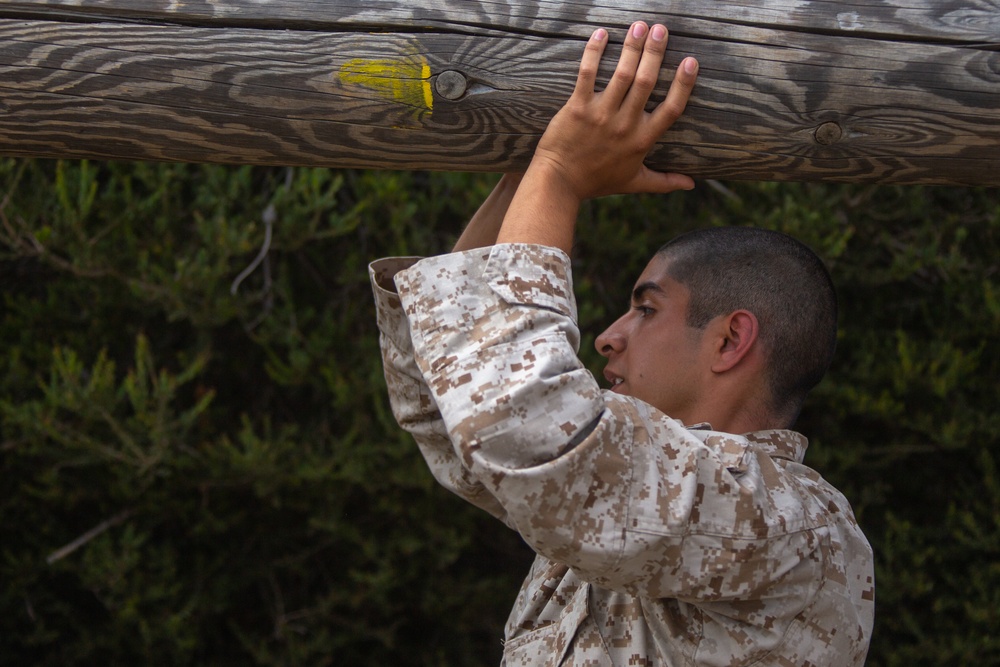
column 638, row 29
column 599, row 35
column 658, row 33
column 690, row 65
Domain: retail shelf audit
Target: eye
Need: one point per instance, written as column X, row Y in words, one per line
column 644, row 311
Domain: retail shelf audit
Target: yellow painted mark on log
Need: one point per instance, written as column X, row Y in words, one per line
column 404, row 81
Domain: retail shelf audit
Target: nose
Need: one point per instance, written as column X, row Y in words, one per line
column 611, row 341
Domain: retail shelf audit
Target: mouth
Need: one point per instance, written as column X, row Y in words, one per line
column 615, row 380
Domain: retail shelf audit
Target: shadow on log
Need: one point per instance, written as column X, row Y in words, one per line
column 878, row 91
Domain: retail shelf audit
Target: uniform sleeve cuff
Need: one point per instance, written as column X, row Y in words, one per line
column 532, row 275
column 388, row 308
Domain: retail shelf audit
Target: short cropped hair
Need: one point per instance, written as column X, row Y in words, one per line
column 778, row 279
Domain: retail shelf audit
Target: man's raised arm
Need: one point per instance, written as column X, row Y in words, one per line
column 597, row 142
column 484, row 226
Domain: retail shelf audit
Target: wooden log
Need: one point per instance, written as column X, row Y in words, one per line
column 877, row 91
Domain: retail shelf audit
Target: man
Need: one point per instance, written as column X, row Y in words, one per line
column 658, row 543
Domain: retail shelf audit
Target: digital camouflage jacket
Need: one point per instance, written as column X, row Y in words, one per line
column 657, row 544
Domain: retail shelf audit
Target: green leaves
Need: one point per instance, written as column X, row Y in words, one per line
column 204, row 470
column 202, row 467
column 84, row 412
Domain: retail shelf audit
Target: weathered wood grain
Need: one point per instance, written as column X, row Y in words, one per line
column 943, row 20
column 789, row 90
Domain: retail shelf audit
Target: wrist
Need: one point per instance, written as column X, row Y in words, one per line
column 556, row 179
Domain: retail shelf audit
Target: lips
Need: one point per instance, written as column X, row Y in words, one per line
column 614, row 380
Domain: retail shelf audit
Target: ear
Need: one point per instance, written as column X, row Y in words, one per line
column 738, row 338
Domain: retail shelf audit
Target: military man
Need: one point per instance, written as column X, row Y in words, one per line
column 673, row 520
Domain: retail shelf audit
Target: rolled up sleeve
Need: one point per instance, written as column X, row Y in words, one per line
column 413, row 405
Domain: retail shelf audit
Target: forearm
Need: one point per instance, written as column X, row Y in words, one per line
column 543, row 211
column 484, row 226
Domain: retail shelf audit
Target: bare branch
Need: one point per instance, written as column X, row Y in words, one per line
column 97, row 530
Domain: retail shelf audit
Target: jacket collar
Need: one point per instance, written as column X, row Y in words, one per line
column 780, row 443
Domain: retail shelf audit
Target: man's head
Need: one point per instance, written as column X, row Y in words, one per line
column 759, row 316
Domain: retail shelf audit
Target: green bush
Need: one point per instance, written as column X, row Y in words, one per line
column 202, row 469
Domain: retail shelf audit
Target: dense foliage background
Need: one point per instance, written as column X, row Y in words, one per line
column 199, row 466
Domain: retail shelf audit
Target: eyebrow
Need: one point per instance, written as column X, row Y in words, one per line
column 642, row 288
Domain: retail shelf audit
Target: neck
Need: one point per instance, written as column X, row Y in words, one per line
column 740, row 410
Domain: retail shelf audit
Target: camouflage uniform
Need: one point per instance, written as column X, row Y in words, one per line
column 657, row 544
